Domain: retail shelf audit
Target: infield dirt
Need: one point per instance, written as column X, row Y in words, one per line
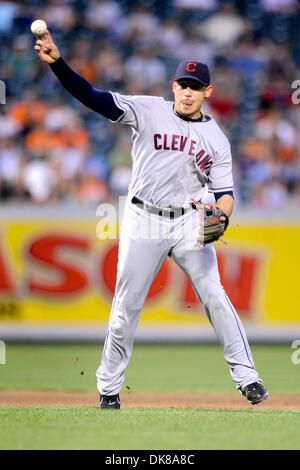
column 153, row 400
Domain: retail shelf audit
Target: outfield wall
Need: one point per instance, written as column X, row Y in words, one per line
column 57, row 279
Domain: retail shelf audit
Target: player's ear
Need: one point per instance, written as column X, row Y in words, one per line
column 208, row 91
column 174, row 85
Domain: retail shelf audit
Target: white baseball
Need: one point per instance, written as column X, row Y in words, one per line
column 38, row 27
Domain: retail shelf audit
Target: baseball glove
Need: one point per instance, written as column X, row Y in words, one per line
column 211, row 227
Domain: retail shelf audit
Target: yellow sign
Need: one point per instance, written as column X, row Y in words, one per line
column 59, row 271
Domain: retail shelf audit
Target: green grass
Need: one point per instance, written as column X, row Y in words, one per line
column 141, row 428
column 164, row 368
column 169, row 368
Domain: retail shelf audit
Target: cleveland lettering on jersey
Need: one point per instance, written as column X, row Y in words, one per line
column 166, row 142
column 178, row 143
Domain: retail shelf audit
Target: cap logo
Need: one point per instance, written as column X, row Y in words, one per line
column 191, row 67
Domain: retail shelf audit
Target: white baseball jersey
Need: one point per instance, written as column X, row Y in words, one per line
column 174, row 159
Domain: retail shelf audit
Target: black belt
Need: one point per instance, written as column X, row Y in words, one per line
column 171, row 213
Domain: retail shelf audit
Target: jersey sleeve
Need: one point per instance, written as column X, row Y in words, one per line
column 133, row 110
column 220, row 175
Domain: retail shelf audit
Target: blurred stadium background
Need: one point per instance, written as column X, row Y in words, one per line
column 59, row 161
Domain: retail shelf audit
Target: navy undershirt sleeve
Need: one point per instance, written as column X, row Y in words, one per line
column 218, row 195
column 98, row 100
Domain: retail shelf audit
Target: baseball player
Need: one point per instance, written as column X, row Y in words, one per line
column 179, row 155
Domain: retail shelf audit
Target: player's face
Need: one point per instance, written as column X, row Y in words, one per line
column 189, row 96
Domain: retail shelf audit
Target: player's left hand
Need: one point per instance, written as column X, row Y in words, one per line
column 212, row 223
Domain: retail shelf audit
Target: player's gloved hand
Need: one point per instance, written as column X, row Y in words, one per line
column 46, row 48
column 212, row 223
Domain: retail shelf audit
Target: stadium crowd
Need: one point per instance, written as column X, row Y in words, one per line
column 54, row 150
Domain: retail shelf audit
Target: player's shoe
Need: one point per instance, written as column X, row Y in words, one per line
column 254, row 392
column 111, row 402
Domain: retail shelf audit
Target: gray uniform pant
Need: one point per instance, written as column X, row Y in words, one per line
column 146, row 240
